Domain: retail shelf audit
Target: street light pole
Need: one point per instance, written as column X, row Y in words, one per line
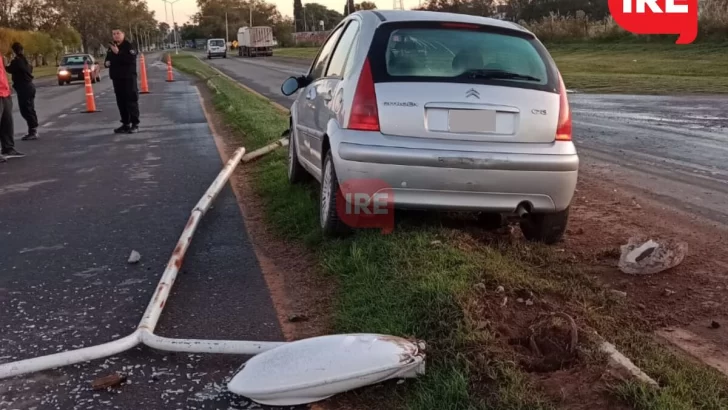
column 174, row 25
column 227, row 35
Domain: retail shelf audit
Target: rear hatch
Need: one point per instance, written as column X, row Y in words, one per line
column 464, row 82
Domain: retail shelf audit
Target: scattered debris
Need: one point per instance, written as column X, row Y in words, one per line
column 500, row 289
column 436, row 243
column 112, row 380
column 714, row 325
column 480, row 286
column 297, row 318
column 529, row 302
column 553, row 341
column 668, row 292
column 504, row 301
column 134, row 257
column 622, row 368
column 520, row 300
column 646, row 257
column 618, row 293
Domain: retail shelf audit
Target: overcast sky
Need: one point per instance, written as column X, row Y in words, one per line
column 184, row 9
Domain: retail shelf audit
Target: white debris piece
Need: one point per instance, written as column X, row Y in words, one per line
column 642, row 256
column 134, row 257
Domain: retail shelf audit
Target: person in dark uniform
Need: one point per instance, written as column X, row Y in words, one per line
column 121, row 61
column 22, row 75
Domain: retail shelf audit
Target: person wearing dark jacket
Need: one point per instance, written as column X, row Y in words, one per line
column 121, row 62
column 22, row 75
column 7, row 142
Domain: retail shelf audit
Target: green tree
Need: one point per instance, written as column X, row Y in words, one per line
column 366, row 5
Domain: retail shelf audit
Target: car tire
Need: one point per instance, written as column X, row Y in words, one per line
column 547, row 228
column 331, row 224
column 60, row 83
column 93, row 80
column 224, row 56
column 98, row 79
column 296, row 172
column 209, row 57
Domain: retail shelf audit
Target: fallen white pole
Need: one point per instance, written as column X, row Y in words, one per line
column 283, row 142
column 144, row 332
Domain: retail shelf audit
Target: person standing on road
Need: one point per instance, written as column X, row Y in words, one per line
column 7, row 143
column 22, row 74
column 121, row 62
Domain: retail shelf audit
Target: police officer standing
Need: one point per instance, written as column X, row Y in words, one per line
column 22, row 73
column 121, row 61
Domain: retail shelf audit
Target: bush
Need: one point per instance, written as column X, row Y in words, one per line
column 712, row 26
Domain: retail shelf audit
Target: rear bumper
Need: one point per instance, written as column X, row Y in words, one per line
column 463, row 180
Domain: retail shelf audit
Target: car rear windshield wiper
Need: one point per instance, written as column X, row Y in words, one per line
column 497, row 74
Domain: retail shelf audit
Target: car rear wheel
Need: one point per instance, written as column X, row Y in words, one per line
column 60, row 83
column 331, row 225
column 296, row 172
column 547, row 228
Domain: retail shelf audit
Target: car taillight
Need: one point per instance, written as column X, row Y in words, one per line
column 364, row 114
column 563, row 127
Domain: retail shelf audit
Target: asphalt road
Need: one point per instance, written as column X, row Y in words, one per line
column 672, row 148
column 72, row 211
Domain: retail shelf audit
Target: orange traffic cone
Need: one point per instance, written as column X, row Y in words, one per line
column 170, row 76
column 145, row 86
column 90, row 101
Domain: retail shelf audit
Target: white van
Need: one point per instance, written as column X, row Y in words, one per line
column 216, row 48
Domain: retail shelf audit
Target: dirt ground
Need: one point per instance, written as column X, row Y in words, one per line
column 605, row 213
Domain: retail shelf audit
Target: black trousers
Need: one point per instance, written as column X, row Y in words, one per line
column 26, row 104
column 6, row 124
column 127, row 98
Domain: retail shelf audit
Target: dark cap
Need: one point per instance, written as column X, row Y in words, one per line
column 17, row 48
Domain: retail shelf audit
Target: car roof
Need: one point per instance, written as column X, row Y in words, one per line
column 419, row 15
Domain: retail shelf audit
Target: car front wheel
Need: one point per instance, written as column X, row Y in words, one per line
column 547, row 228
column 60, row 82
column 331, row 224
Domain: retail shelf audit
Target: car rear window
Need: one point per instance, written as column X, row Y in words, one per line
column 217, row 43
column 73, row 60
column 453, row 52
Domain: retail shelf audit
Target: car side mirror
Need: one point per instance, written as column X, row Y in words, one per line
column 290, row 86
column 293, row 84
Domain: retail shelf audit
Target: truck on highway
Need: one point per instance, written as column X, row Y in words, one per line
column 255, row 41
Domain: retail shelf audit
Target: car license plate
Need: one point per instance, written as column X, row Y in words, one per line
column 471, row 121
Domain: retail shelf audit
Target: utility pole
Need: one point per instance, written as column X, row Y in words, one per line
column 227, row 35
column 251, row 15
column 174, row 25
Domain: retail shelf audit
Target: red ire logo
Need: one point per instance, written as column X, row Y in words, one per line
column 658, row 17
column 366, row 203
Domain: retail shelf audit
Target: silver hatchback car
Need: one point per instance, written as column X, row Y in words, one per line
column 454, row 112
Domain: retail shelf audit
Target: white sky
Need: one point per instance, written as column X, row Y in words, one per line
column 184, row 9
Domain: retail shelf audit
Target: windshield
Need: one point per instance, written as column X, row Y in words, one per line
column 217, row 43
column 445, row 54
column 73, row 60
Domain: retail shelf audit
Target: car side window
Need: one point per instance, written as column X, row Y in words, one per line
column 343, row 50
column 317, row 70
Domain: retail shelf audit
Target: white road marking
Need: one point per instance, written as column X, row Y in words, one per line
column 62, row 115
column 74, row 109
column 48, row 124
